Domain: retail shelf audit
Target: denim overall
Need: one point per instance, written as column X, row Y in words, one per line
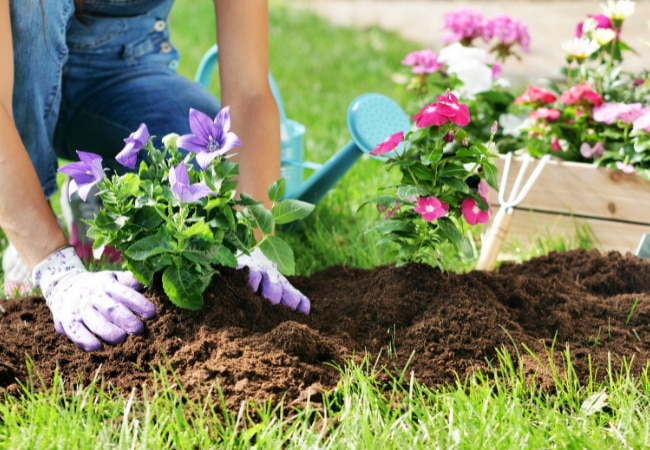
column 86, row 85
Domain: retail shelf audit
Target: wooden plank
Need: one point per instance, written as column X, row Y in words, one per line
column 610, row 235
column 582, row 190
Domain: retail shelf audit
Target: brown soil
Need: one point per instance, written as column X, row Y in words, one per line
column 452, row 324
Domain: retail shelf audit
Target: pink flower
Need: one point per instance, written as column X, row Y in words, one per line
column 588, row 151
column 431, row 208
column 625, row 168
column 483, row 189
column 508, row 31
column 581, row 92
column 642, row 122
column 545, row 113
column 555, row 144
column 422, row 61
column 388, row 144
column 534, row 95
column 496, row 70
column 472, row 213
column 602, row 21
column 611, row 112
column 463, row 25
column 447, row 109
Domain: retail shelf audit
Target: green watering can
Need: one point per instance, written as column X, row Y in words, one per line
column 371, row 118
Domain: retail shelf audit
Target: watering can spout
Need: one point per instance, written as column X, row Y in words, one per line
column 371, row 118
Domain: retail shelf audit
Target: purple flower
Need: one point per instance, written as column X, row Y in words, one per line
column 209, row 139
column 185, row 192
column 136, row 140
column 85, row 173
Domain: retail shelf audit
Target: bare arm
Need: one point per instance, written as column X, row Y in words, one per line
column 242, row 35
column 25, row 215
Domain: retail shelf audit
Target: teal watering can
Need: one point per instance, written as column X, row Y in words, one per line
column 371, row 118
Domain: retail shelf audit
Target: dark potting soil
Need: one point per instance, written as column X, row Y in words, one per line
column 447, row 325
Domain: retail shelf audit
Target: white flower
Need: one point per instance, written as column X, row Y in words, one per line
column 580, row 48
column 603, row 36
column 589, row 25
column 468, row 64
column 618, row 10
column 511, row 124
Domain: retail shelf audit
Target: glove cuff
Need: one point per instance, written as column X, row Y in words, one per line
column 48, row 272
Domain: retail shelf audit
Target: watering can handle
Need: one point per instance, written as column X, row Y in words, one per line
column 494, row 239
column 206, row 67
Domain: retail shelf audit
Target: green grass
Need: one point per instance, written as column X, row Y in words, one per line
column 320, row 69
column 500, row 409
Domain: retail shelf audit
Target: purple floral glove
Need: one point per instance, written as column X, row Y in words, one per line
column 90, row 305
column 265, row 278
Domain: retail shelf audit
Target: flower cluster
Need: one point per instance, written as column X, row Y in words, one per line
column 176, row 213
column 601, row 113
column 502, row 32
column 443, row 187
column 467, row 69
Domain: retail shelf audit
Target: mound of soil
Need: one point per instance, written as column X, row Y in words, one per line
column 447, row 325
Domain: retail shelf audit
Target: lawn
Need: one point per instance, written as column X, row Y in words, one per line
column 319, row 70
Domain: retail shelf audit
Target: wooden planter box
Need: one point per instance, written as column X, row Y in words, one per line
column 566, row 196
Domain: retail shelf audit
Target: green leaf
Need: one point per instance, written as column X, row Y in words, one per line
column 147, row 217
column 260, row 217
column 454, row 183
column 390, row 226
column 278, row 251
column 128, row 185
column 406, row 191
column 277, row 190
column 491, row 174
column 201, row 251
column 140, row 271
column 199, row 230
column 106, row 222
column 291, row 210
column 225, row 257
column 422, row 172
column 247, row 200
column 449, row 229
column 183, row 288
column 147, row 247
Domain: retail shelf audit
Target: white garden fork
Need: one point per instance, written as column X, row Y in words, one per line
column 498, row 231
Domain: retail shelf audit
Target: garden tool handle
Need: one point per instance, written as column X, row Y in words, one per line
column 494, row 239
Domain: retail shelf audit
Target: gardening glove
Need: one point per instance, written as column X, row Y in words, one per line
column 90, row 305
column 265, row 278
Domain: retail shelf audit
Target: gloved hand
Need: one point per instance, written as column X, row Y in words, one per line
column 87, row 305
column 265, row 278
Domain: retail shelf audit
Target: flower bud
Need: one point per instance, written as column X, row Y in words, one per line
column 449, row 137
column 169, row 140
